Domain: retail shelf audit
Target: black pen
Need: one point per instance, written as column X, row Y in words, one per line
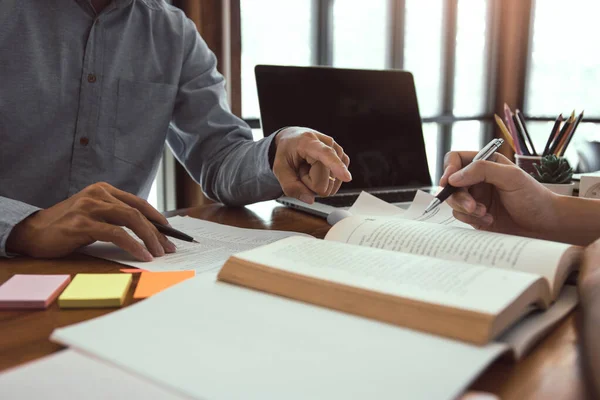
column 174, row 233
column 484, row 154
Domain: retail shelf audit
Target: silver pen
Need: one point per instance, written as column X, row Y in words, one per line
column 484, row 154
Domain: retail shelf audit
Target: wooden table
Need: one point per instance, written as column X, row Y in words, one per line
column 551, row 371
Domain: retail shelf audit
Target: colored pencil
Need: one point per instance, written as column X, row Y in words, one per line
column 571, row 134
column 505, row 133
column 559, row 138
column 555, row 129
column 521, row 119
column 521, row 135
column 509, row 122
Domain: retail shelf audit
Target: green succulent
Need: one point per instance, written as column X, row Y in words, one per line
column 553, row 169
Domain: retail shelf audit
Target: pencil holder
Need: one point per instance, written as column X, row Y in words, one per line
column 526, row 162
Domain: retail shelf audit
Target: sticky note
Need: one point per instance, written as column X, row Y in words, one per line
column 151, row 283
column 31, row 291
column 95, row 291
column 134, row 270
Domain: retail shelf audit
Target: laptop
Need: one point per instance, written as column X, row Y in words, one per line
column 372, row 114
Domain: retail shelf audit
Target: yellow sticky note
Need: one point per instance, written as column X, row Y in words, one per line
column 153, row 282
column 95, row 291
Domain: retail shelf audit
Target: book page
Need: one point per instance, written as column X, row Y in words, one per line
column 424, row 279
column 452, row 243
column 530, row 330
column 213, row 340
column 442, row 215
column 216, row 242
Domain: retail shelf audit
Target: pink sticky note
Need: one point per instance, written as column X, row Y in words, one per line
column 32, row 291
column 132, row 270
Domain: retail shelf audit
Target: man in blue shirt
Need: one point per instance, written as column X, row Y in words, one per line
column 91, row 90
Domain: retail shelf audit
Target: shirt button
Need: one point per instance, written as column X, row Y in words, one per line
column 91, row 78
column 84, row 141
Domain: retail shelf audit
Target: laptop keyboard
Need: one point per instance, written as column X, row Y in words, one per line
column 345, row 200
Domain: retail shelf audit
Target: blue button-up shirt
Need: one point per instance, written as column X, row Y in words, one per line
column 87, row 98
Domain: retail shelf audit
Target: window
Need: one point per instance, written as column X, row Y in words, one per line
column 360, row 39
column 449, row 46
column 284, row 38
column 564, row 71
column 423, row 53
column 162, row 192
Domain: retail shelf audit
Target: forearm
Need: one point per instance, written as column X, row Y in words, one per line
column 12, row 212
column 241, row 174
column 588, row 338
column 577, row 220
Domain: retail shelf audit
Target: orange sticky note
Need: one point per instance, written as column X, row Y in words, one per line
column 153, row 282
column 132, row 270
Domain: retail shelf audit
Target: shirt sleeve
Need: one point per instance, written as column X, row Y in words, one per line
column 216, row 147
column 11, row 213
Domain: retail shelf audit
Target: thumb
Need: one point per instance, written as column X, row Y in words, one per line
column 503, row 176
column 292, row 186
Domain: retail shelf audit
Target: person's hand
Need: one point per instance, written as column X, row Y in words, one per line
column 309, row 163
column 95, row 213
column 589, row 273
column 498, row 196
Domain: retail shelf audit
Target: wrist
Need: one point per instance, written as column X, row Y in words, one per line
column 575, row 219
column 273, row 147
column 17, row 240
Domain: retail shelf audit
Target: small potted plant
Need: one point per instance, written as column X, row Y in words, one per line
column 554, row 173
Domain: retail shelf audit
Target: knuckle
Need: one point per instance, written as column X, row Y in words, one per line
column 135, row 214
column 447, row 158
column 118, row 232
column 309, row 135
column 96, row 189
column 328, row 140
column 479, row 164
column 103, row 185
column 84, row 203
column 79, row 222
column 331, row 151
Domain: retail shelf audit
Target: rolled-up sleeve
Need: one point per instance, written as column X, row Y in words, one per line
column 11, row 213
column 215, row 146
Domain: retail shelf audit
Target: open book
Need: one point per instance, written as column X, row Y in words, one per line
column 450, row 281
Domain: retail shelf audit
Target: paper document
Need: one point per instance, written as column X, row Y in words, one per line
column 441, row 215
column 68, row 374
column 212, row 340
column 216, row 243
column 368, row 205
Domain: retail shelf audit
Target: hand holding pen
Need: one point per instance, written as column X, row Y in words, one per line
column 448, row 190
column 498, row 196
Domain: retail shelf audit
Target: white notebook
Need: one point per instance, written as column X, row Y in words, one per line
column 214, row 340
column 68, row 374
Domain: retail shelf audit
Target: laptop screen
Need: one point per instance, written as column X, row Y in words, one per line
column 373, row 115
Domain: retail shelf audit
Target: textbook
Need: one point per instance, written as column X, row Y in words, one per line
column 449, row 281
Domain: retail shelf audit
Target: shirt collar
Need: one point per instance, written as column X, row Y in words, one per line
column 114, row 4
column 122, row 3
